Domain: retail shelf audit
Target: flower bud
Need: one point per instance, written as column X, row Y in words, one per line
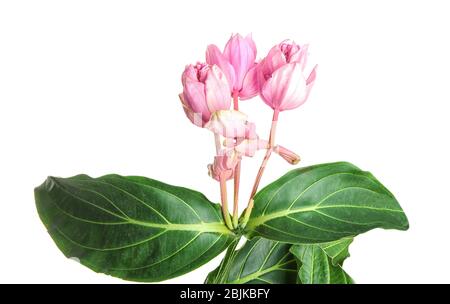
column 287, row 89
column 223, row 165
column 281, row 79
column 287, row 154
column 238, row 63
column 205, row 90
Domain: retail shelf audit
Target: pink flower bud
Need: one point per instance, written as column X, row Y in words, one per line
column 287, row 154
column 223, row 165
column 205, row 90
column 287, row 89
column 238, row 63
column 281, row 54
column 283, row 85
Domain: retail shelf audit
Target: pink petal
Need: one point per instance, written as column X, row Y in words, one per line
column 274, row 60
column 296, row 92
column 312, row 76
column 189, row 74
column 251, row 43
column 224, row 165
column 310, row 81
column 194, row 97
column 286, row 89
column 241, row 54
column 250, row 86
column 195, row 118
column 217, row 90
column 275, row 88
column 215, row 57
column 300, row 56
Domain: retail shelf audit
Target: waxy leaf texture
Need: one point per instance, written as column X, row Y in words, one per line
column 324, row 203
column 133, row 228
column 259, row 261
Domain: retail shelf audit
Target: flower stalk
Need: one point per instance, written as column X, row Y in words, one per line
column 224, row 199
column 269, row 150
column 237, row 173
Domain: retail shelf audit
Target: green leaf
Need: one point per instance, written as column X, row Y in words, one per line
column 316, row 267
column 259, row 261
column 337, row 250
column 323, row 203
column 133, row 228
column 219, row 274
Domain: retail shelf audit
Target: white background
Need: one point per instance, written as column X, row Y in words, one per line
column 91, row 87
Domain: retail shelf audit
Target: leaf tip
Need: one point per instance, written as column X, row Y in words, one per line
column 404, row 223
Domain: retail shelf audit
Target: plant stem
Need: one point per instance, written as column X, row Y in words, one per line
column 237, row 172
column 223, row 195
column 236, row 100
column 269, row 150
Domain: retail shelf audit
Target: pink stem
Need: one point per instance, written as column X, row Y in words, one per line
column 237, row 171
column 260, row 172
column 237, row 175
column 263, row 166
column 236, row 100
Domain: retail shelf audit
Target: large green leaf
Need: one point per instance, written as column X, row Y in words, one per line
column 259, row 261
column 133, row 228
column 337, row 250
column 219, row 275
column 316, row 267
column 323, row 203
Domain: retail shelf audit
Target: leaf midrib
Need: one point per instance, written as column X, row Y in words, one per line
column 264, row 218
column 203, row 227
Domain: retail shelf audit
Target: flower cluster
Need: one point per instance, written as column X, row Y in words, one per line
column 212, row 91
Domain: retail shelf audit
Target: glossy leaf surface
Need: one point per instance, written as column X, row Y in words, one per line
column 133, row 228
column 259, row 261
column 323, row 203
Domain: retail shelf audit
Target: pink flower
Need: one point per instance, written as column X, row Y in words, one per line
column 240, row 139
column 238, row 63
column 205, row 90
column 283, row 85
column 279, row 55
column 224, row 165
column 231, row 124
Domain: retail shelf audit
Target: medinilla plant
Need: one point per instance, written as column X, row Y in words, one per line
column 295, row 230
